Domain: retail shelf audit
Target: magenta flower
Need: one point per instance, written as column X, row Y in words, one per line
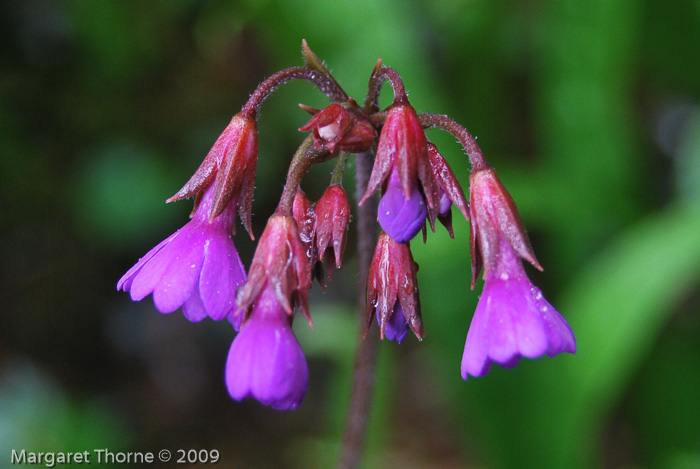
column 512, row 320
column 265, row 360
column 399, row 217
column 197, row 267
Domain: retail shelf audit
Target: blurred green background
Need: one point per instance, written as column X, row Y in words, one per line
column 589, row 110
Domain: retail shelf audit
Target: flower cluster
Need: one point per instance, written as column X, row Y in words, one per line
column 198, row 268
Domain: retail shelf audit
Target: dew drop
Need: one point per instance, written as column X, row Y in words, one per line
column 504, row 276
column 537, row 293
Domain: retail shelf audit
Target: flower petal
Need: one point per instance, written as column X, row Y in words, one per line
column 222, row 273
column 475, row 361
column 125, row 282
column 399, row 217
column 193, row 308
column 186, row 254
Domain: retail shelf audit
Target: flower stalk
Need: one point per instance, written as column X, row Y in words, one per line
column 363, row 374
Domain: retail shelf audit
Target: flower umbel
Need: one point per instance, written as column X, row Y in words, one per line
column 265, row 360
column 197, row 267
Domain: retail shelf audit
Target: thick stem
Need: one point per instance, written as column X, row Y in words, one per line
column 324, row 82
column 476, row 158
column 366, row 355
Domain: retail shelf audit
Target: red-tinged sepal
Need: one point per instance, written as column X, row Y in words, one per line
column 338, row 128
column 230, row 165
column 402, row 143
column 447, row 181
column 303, row 214
column 494, row 215
column 280, row 260
column 360, row 137
column 328, row 126
column 391, row 281
column 332, row 219
column 305, row 217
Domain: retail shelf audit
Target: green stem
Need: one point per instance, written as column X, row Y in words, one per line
column 339, row 170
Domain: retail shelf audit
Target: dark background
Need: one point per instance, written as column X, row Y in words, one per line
column 589, row 110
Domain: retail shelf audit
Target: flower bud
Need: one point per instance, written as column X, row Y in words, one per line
column 450, row 191
column 332, row 218
column 338, row 129
column 392, row 281
column 303, row 214
column 402, row 145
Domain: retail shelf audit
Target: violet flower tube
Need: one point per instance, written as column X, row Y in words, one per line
column 512, row 320
column 399, row 217
column 265, row 360
column 396, row 327
column 197, row 267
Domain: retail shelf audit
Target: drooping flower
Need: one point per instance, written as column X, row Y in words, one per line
column 231, row 165
column 512, row 320
column 265, row 360
column 392, row 290
column 197, row 267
